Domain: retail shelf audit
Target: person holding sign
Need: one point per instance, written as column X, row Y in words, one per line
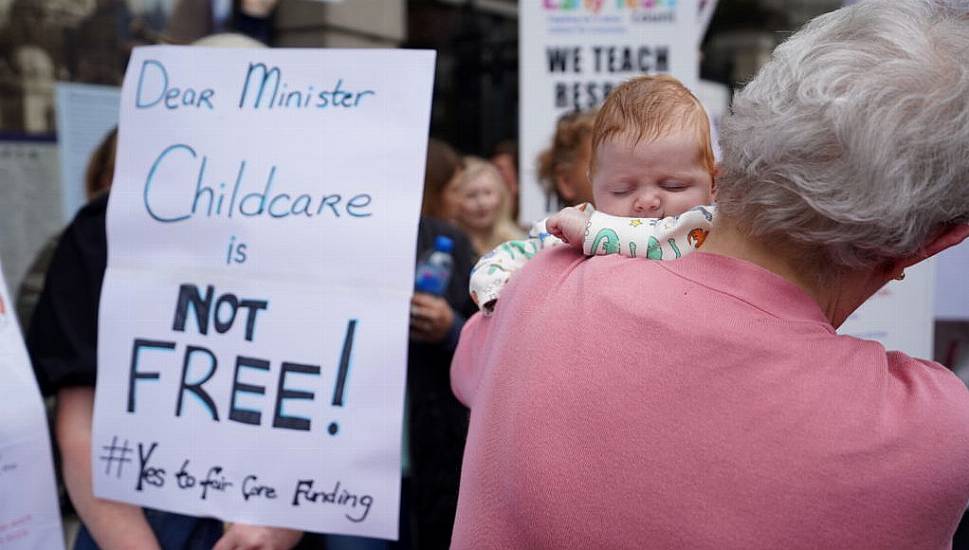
column 708, row 402
column 63, row 342
column 63, row 347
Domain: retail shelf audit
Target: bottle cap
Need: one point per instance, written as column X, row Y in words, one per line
column 444, row 244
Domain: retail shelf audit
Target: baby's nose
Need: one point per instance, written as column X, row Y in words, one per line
column 647, row 203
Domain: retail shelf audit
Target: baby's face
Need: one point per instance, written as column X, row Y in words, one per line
column 656, row 179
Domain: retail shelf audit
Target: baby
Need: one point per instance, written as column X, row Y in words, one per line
column 652, row 175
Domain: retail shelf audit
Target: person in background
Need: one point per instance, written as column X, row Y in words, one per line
column 505, row 159
column 443, row 168
column 97, row 180
column 479, row 204
column 194, row 19
column 436, row 424
column 62, row 342
column 709, row 402
column 563, row 168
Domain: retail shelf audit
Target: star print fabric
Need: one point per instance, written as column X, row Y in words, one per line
column 651, row 238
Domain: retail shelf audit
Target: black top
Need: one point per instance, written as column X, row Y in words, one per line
column 63, row 335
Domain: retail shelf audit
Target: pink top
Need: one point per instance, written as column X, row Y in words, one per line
column 698, row 403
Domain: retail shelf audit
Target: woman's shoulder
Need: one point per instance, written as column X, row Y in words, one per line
column 929, row 393
column 935, row 380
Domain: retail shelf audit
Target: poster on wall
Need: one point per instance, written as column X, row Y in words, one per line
column 30, row 208
column 86, row 113
column 30, row 516
column 574, row 52
column 253, row 320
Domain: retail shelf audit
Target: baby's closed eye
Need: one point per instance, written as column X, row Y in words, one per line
column 674, row 185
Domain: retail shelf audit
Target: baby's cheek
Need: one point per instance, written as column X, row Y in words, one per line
column 614, row 206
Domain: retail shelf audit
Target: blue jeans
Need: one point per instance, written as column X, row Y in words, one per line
column 173, row 531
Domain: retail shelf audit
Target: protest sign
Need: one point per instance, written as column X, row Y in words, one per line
column 253, row 321
column 573, row 52
column 29, row 514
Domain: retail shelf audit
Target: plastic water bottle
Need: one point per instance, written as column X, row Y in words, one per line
column 434, row 267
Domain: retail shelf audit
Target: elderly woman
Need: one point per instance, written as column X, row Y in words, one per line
column 707, row 402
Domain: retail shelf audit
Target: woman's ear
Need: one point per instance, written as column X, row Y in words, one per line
column 947, row 236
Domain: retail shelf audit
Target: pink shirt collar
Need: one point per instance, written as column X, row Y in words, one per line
column 750, row 283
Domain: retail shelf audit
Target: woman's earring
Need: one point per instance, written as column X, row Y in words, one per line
column 901, row 276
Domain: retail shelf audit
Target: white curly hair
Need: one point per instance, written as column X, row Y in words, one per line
column 851, row 145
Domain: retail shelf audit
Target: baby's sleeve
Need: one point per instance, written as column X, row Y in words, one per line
column 651, row 238
column 495, row 268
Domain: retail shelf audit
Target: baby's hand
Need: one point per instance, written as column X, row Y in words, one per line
column 568, row 225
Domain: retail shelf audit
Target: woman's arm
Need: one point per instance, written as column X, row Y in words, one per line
column 112, row 524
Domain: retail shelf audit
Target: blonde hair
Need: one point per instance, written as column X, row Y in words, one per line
column 647, row 107
column 571, row 132
column 504, row 228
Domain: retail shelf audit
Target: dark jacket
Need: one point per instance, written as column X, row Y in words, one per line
column 438, row 422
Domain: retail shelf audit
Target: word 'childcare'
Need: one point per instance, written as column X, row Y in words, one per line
column 197, row 195
column 263, row 87
column 199, row 364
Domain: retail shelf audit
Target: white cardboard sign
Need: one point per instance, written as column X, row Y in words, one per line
column 29, row 514
column 253, row 321
column 573, row 52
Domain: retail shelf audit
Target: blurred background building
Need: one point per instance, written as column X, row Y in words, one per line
column 476, row 90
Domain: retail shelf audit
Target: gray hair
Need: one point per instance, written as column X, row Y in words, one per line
column 852, row 142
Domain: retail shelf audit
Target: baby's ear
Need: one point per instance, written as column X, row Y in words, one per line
column 713, row 181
